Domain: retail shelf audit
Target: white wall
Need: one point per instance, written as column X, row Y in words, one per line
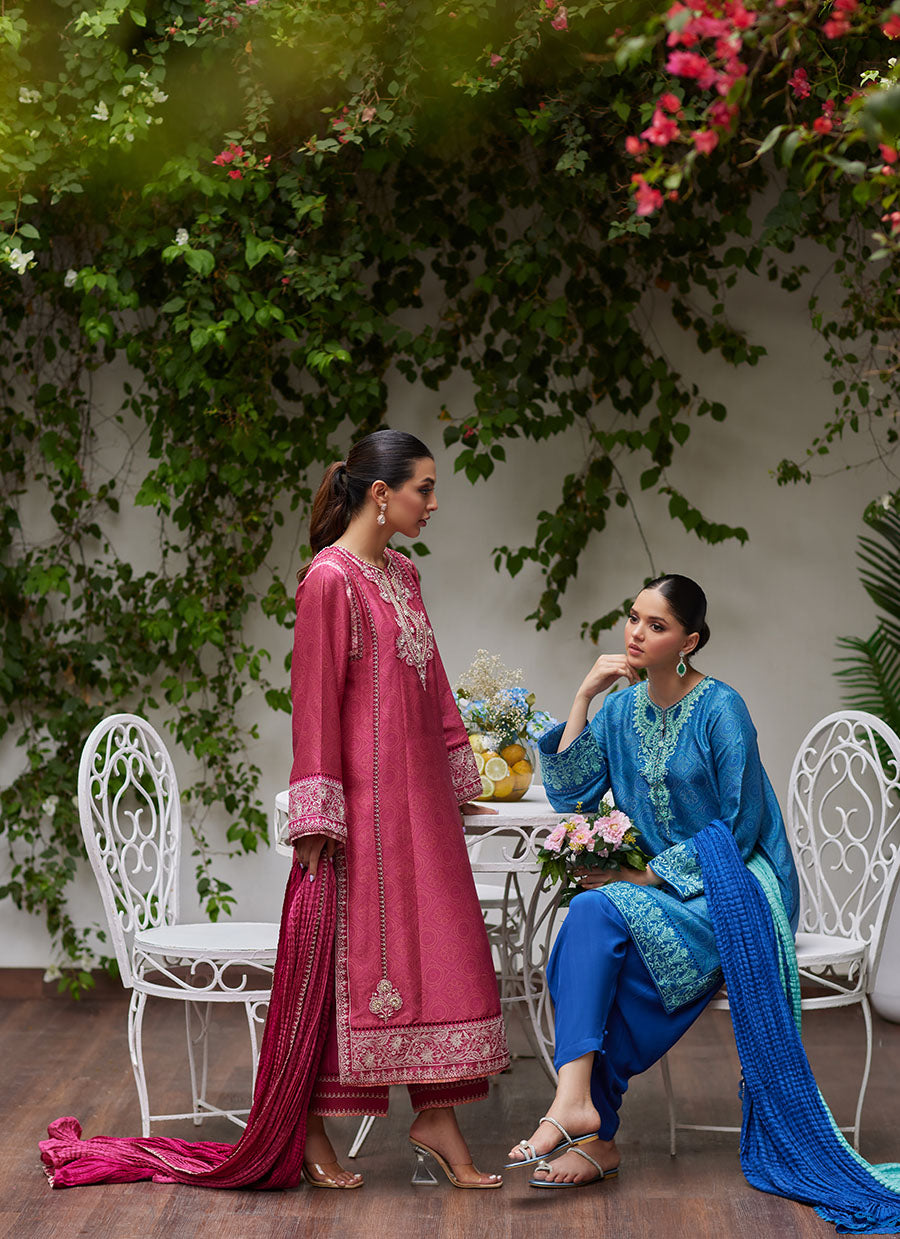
column 775, row 605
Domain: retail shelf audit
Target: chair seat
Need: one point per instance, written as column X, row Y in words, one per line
column 817, row 950
column 220, row 939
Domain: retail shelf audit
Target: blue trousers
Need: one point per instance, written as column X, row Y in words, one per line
column 606, row 1002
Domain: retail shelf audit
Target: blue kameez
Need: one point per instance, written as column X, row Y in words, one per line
column 650, row 951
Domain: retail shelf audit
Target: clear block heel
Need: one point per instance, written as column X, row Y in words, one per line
column 423, row 1175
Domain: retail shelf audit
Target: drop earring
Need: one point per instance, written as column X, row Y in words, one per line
column 681, row 669
column 380, row 517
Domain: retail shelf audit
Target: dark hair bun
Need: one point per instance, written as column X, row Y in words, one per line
column 704, row 636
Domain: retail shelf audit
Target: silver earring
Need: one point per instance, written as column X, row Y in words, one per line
column 380, row 517
column 681, row 669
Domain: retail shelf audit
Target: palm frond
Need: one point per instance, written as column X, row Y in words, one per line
column 870, row 676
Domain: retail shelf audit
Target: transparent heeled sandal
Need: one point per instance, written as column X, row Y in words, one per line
column 424, row 1176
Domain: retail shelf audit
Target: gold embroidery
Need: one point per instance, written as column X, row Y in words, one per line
column 386, row 1001
column 415, row 644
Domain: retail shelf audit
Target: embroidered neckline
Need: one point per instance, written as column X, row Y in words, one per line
column 659, row 730
column 415, row 642
column 365, row 563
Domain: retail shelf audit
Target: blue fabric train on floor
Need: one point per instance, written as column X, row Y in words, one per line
column 790, row 1144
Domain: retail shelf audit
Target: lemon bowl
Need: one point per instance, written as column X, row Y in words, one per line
column 506, row 771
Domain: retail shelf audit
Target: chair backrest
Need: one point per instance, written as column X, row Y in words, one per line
column 130, row 816
column 843, row 821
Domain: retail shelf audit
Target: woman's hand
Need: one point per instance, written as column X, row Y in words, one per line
column 308, row 850
column 472, row 809
column 591, row 879
column 606, row 670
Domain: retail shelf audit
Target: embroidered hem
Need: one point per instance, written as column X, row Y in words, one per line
column 679, row 868
column 464, row 773
column 675, row 972
column 581, row 765
column 427, row 1053
column 316, row 806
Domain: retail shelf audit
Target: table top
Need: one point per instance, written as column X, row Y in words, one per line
column 534, row 809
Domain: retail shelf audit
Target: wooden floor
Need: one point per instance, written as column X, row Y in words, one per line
column 61, row 1058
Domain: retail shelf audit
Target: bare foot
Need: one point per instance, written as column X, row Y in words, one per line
column 577, row 1120
column 439, row 1130
column 320, row 1159
column 570, row 1168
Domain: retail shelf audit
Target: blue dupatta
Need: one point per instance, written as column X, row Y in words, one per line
column 790, row 1144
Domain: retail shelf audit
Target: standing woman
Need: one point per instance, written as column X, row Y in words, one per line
column 636, row 961
column 381, row 767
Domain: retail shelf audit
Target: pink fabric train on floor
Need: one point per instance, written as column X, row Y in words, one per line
column 269, row 1154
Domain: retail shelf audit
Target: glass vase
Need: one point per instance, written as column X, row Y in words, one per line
column 506, row 766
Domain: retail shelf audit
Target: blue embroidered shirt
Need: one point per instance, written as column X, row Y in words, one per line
column 673, row 772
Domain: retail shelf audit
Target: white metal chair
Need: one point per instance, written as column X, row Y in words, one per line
column 843, row 822
column 130, row 815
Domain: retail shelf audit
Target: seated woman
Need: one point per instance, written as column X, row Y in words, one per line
column 635, row 961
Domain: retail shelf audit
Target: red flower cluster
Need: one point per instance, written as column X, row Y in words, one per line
column 720, row 23
column 647, row 199
column 892, row 26
column 838, row 23
column 235, row 154
column 799, row 83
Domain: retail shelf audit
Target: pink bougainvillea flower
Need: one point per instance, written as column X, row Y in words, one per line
column 236, row 174
column 692, row 65
column 495, row 59
column 894, row 219
column 799, row 83
column 635, row 146
column 836, row 27
column 285, row 279
column 551, row 4
column 892, row 26
column 722, row 113
column 888, row 153
column 662, row 129
column 561, row 20
column 823, row 124
column 670, row 102
column 647, row 199
column 672, row 195
column 705, row 140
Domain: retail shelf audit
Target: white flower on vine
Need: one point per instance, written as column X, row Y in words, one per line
column 29, row 96
column 53, row 973
column 182, row 236
column 158, row 96
column 50, row 806
column 886, row 501
column 101, row 111
column 71, row 278
column 126, row 90
column 18, row 260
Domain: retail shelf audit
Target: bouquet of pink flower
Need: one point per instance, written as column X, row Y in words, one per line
column 606, row 839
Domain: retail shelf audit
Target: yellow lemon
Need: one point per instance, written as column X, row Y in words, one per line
column 477, row 743
column 487, row 788
column 495, row 768
column 479, row 762
column 504, row 788
column 513, row 753
column 522, row 767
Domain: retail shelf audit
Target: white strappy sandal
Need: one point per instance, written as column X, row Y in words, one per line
column 567, row 1142
column 601, row 1173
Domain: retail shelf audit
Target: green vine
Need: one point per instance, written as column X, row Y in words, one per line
column 244, row 217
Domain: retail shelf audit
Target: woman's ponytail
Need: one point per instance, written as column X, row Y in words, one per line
column 388, row 455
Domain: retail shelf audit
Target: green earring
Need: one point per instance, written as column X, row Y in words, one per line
column 681, row 669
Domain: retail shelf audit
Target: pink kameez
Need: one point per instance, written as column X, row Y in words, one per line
column 381, row 764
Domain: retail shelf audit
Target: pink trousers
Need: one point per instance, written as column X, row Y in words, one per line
column 331, row 1099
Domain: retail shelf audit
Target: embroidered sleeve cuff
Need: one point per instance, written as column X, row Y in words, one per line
column 679, row 868
column 574, row 776
column 464, row 772
column 316, row 807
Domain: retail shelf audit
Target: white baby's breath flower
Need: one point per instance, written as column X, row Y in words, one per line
column 29, row 96
column 182, row 236
column 18, row 260
column 101, row 111
column 70, row 278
